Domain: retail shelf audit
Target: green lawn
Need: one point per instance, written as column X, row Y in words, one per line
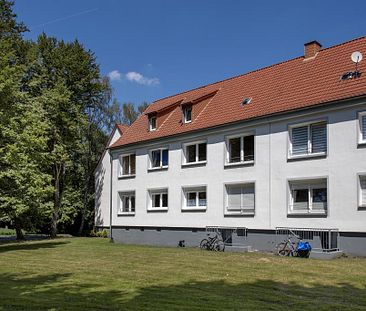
column 93, row 274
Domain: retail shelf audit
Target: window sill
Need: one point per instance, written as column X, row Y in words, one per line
column 126, row 176
column 239, row 214
column 361, row 144
column 194, row 209
column 362, row 207
column 157, row 209
column 126, row 214
column 307, row 214
column 306, row 156
column 236, row 164
column 189, row 164
column 160, row 168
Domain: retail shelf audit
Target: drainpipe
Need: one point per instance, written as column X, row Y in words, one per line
column 270, row 173
column 110, row 198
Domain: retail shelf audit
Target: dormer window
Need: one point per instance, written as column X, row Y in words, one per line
column 187, row 114
column 152, row 123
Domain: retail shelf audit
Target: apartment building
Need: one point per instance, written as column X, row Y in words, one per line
column 282, row 146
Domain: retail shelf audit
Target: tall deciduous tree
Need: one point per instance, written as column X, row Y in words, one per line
column 24, row 183
column 66, row 79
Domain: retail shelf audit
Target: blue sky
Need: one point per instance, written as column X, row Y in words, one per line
column 152, row 49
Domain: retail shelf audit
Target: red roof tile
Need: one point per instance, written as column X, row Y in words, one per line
column 122, row 128
column 290, row 85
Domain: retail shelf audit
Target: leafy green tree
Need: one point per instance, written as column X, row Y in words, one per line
column 24, row 184
column 66, row 79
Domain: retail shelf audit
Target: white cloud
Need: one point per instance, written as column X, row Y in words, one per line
column 114, row 75
column 140, row 79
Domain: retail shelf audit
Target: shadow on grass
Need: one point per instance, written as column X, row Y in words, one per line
column 62, row 292
column 25, row 246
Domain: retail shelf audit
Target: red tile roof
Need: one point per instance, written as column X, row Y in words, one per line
column 290, row 85
column 122, row 128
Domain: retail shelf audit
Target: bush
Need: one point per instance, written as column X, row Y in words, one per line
column 99, row 234
column 104, row 233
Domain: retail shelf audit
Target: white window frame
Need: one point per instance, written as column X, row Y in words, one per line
column 310, row 185
column 158, row 191
column 242, row 212
column 197, row 143
column 185, row 109
column 151, row 128
column 361, row 140
column 197, row 190
column 241, row 162
column 120, row 173
column 308, row 154
column 129, row 195
column 161, row 166
column 361, row 204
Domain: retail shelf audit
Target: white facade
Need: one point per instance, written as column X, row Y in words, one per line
column 273, row 174
column 103, row 185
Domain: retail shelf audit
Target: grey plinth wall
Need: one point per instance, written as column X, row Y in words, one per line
column 262, row 240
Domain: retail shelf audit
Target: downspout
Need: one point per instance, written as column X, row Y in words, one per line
column 270, row 174
column 110, row 197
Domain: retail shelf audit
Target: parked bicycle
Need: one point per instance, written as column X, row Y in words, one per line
column 294, row 249
column 213, row 244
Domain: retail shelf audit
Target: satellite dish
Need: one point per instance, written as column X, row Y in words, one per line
column 356, row 57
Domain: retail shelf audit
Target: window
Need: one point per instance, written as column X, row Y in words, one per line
column 362, row 127
column 195, row 198
column 159, row 158
column 195, row 153
column 240, row 199
column 187, row 114
column 127, row 203
column 308, row 197
column 128, row 165
column 152, row 123
column 310, row 139
column 240, row 149
column 362, row 190
column 158, row 200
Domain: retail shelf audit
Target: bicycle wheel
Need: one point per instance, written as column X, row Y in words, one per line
column 283, row 249
column 204, row 245
column 219, row 246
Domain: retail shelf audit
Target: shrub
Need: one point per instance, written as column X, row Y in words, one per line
column 104, row 233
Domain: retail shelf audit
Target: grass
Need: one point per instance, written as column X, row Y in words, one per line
column 94, row 274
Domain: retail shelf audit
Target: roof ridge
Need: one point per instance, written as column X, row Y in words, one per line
column 255, row 70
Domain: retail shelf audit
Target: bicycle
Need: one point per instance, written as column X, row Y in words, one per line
column 213, row 244
column 289, row 247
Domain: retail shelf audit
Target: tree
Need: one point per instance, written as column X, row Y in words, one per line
column 65, row 78
column 130, row 114
column 24, row 184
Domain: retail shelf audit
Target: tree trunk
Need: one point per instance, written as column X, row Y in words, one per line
column 18, row 230
column 59, row 171
column 85, row 203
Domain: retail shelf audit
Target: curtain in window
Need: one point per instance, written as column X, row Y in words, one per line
column 126, row 165
column 155, row 158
